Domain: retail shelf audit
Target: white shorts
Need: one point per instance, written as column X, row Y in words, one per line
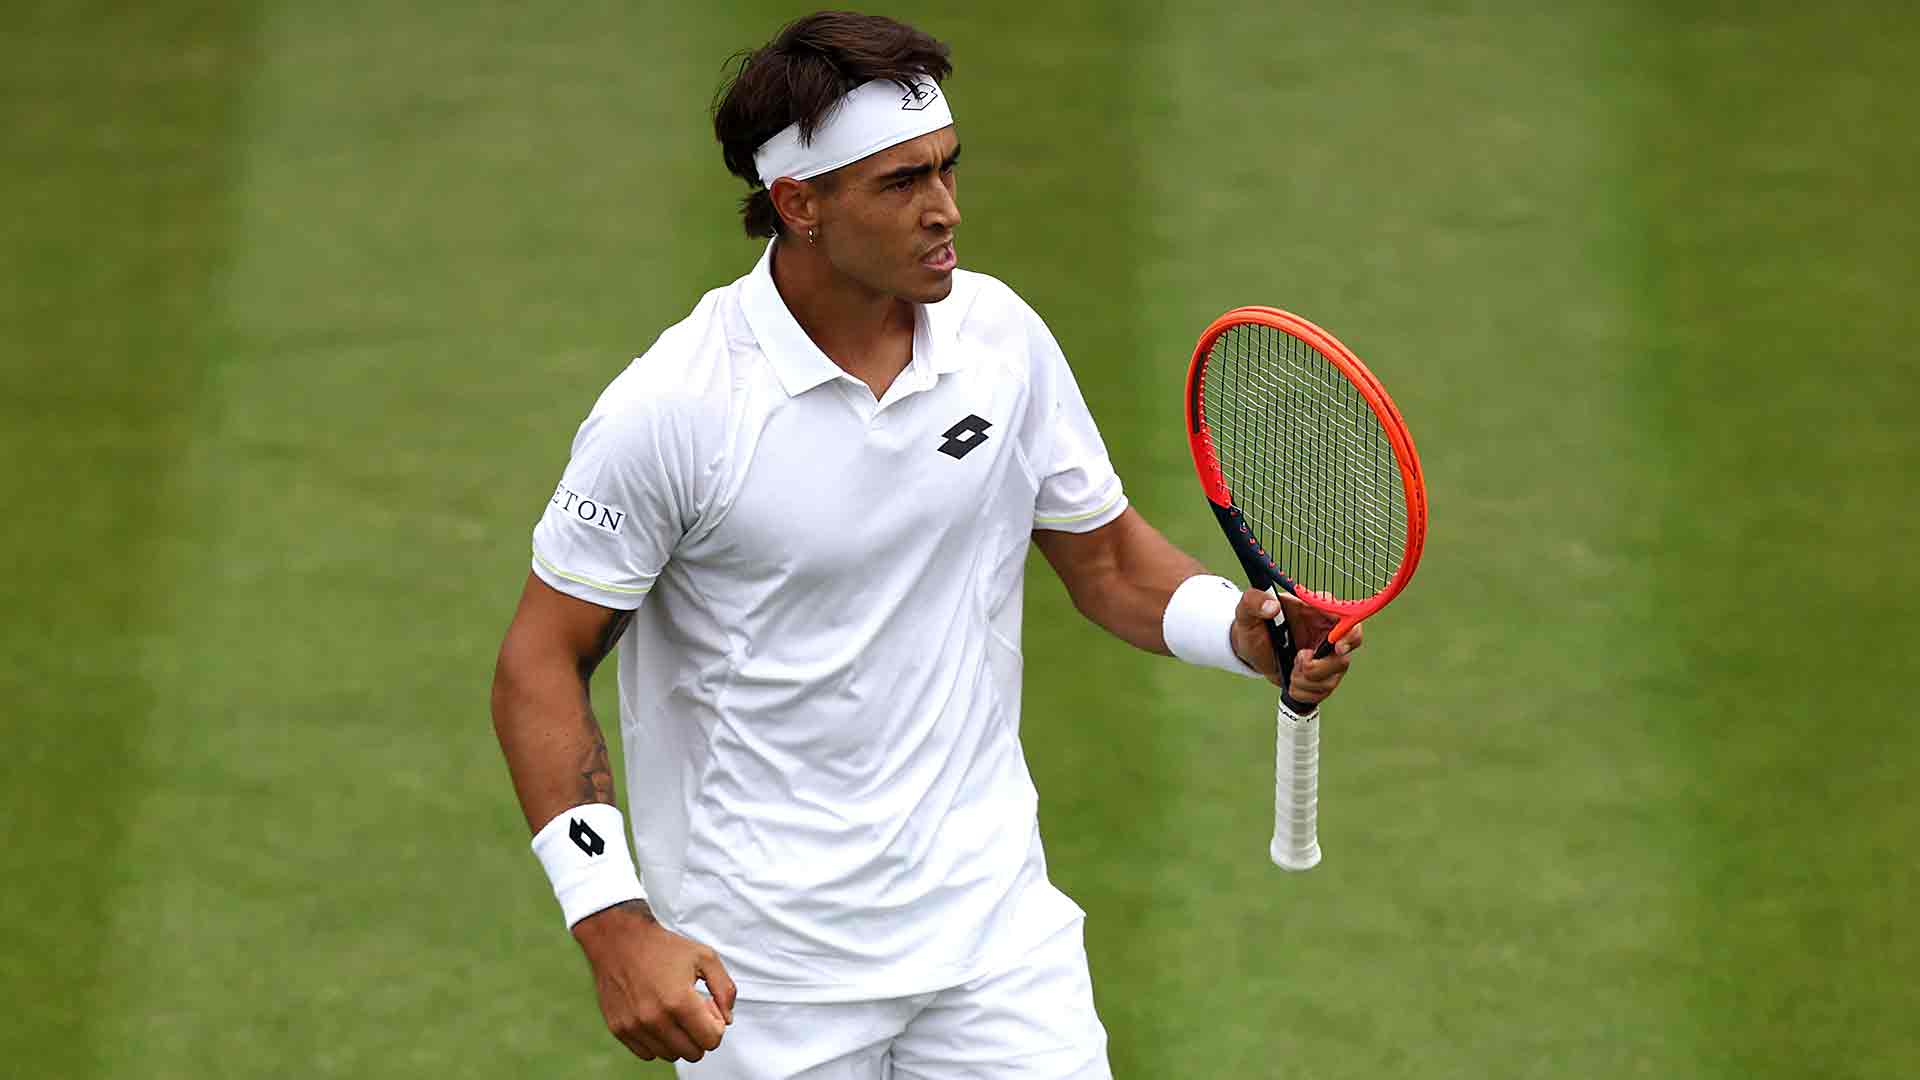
column 1033, row 1022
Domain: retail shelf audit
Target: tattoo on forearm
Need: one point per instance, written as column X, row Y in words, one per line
column 596, row 772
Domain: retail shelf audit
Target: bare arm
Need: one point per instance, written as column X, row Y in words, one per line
column 1121, row 575
column 542, row 710
column 543, row 716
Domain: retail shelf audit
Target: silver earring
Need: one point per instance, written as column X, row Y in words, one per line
column 809, row 236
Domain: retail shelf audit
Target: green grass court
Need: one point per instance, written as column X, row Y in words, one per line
column 300, row 304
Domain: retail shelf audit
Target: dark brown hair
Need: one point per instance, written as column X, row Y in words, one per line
column 796, row 77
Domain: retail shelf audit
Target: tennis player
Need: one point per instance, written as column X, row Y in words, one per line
column 803, row 515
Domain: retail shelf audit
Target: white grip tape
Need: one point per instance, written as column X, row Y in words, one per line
column 1296, row 792
column 1198, row 624
column 584, row 851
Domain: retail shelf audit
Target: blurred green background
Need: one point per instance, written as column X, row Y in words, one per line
column 300, row 304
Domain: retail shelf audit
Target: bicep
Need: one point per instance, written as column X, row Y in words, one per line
column 550, row 626
column 1120, row 575
column 1082, row 559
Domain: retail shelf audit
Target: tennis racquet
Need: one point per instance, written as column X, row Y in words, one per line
column 1315, row 482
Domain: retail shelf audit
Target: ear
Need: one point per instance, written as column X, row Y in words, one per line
column 798, row 204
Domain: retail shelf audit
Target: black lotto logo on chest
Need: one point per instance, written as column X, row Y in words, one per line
column 962, row 437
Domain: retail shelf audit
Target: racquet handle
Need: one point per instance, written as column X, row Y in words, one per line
column 1296, row 793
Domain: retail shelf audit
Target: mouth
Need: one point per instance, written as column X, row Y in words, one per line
column 941, row 259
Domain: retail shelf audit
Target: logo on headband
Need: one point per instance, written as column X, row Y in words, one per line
column 919, row 95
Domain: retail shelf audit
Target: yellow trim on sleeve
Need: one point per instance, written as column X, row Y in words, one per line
column 587, row 581
column 1070, row 519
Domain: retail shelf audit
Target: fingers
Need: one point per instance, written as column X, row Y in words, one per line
column 629, row 1020
column 674, row 1039
column 1314, row 679
column 719, row 983
column 695, row 1027
column 696, row 1022
column 650, row 997
column 683, row 1032
column 704, row 1019
column 635, row 1037
column 1352, row 641
column 1304, row 617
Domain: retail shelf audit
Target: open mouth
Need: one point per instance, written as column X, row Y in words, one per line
column 940, row 259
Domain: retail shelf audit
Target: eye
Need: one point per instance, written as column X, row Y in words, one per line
column 901, row 185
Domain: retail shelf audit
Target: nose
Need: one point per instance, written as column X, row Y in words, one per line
column 944, row 211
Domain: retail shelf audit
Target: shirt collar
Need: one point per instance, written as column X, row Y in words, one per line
column 799, row 363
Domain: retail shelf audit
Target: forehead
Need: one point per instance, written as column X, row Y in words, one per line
column 932, row 148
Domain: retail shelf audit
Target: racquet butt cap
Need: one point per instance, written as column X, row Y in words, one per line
column 1294, row 861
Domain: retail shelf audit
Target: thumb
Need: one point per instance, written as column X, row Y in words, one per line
column 1256, row 605
column 719, row 984
column 1287, row 600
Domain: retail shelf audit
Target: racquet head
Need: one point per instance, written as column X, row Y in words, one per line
column 1306, row 462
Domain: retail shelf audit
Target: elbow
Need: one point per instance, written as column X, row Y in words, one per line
column 502, row 694
column 532, row 677
column 1097, row 597
column 1088, row 601
column 509, row 684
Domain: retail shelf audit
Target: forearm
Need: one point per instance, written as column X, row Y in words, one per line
column 543, row 717
column 1131, row 604
column 552, row 742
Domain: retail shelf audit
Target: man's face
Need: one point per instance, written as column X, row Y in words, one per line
column 888, row 220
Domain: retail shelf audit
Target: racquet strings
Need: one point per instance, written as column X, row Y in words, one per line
column 1307, row 461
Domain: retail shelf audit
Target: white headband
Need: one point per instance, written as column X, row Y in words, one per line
column 872, row 117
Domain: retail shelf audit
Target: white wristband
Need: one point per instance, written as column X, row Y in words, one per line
column 1198, row 625
column 584, row 851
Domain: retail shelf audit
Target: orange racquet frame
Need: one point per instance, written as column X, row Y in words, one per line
column 1255, row 558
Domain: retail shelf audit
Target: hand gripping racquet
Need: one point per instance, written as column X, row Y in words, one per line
column 1315, row 482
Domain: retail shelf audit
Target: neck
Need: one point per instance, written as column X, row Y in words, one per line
column 866, row 333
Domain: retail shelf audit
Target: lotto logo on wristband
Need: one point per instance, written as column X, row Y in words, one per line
column 585, row 838
column 584, row 852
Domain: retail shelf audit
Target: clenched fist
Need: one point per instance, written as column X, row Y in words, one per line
column 645, row 975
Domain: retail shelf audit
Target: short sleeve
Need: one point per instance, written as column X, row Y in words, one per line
column 1079, row 491
column 620, row 508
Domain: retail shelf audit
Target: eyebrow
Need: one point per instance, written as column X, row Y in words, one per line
column 909, row 171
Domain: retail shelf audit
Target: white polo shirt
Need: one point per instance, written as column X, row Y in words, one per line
column 820, row 689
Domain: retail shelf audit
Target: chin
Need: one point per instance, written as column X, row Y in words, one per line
column 933, row 294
